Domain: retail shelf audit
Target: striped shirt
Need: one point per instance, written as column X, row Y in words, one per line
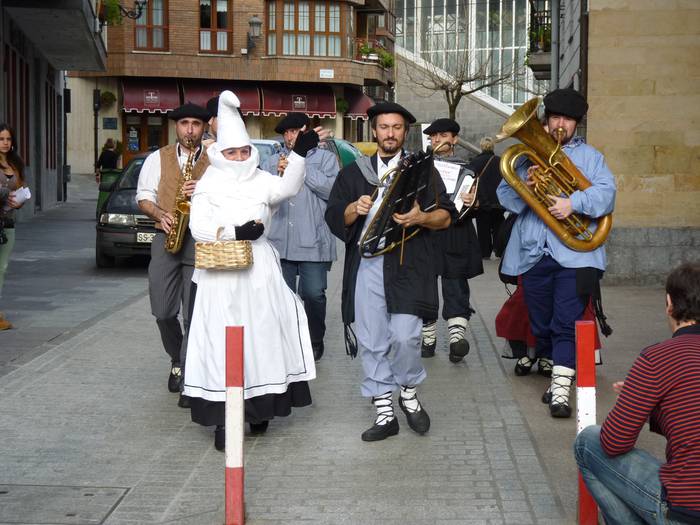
column 663, row 387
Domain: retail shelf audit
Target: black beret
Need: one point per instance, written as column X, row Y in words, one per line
column 567, row 102
column 292, row 121
column 390, row 107
column 189, row 110
column 442, row 124
column 213, row 106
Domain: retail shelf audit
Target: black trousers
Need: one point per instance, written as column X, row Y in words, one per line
column 487, row 224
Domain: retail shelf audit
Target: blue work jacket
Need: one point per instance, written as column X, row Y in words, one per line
column 299, row 230
column 531, row 239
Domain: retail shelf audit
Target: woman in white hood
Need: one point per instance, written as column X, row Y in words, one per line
column 235, row 200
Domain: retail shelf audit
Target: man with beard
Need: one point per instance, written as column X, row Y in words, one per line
column 298, row 231
column 457, row 253
column 387, row 296
column 558, row 281
column 170, row 274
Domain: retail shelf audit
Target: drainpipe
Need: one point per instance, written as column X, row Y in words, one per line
column 555, row 45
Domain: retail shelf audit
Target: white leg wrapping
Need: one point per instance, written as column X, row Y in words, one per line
column 429, row 333
column 562, row 377
column 385, row 408
column 458, row 328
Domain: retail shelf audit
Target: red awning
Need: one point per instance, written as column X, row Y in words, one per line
column 358, row 104
column 150, row 95
column 316, row 100
column 199, row 91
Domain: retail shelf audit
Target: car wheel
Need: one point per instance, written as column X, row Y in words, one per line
column 102, row 260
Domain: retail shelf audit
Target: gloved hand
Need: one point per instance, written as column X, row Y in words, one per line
column 249, row 231
column 305, row 142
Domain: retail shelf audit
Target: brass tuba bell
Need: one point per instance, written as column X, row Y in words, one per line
column 556, row 175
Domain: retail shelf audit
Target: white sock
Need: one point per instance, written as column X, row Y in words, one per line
column 409, row 398
column 385, row 408
column 458, row 328
column 429, row 333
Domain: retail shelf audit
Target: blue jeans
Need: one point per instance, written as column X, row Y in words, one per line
column 313, row 281
column 627, row 488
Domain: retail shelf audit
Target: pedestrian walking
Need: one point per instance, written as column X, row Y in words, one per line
column 11, row 199
column 456, row 252
column 662, row 388
column 298, row 230
column 489, row 214
column 107, row 160
column 235, row 200
column 160, row 185
column 387, row 296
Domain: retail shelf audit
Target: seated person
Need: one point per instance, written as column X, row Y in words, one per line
column 663, row 386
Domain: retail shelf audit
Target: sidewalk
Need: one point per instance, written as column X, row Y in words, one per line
column 91, row 434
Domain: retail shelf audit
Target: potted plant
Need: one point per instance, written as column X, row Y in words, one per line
column 108, row 12
column 366, row 50
column 107, row 98
column 386, row 59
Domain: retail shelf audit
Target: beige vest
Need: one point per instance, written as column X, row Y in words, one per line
column 170, row 175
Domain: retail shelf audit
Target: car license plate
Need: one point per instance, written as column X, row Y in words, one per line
column 145, row 237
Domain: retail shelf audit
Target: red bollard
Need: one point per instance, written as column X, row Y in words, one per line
column 585, row 408
column 234, row 426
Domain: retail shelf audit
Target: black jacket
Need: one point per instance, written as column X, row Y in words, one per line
column 490, row 179
column 457, row 251
column 409, row 288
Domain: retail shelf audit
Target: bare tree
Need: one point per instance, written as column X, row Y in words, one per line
column 460, row 71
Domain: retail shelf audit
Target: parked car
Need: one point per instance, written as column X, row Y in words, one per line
column 266, row 148
column 366, row 148
column 122, row 229
column 342, row 149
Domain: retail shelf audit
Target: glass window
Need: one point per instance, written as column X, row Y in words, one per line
column 214, row 29
column 271, row 28
column 151, row 31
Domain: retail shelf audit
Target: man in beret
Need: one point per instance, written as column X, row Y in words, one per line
column 170, row 275
column 387, row 296
column 209, row 136
column 298, row 230
column 456, row 252
column 558, row 281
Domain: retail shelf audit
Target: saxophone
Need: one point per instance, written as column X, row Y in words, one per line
column 181, row 213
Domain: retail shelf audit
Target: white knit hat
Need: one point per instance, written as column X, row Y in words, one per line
column 231, row 132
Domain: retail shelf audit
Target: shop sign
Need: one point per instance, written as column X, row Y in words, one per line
column 151, row 97
column 299, row 102
column 326, row 73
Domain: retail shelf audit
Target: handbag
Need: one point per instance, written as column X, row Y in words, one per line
column 223, row 255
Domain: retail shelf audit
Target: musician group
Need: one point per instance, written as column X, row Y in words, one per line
column 397, row 248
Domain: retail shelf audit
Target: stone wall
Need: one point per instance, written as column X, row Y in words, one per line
column 644, row 95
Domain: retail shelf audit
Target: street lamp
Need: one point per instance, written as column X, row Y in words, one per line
column 112, row 11
column 255, row 25
column 134, row 13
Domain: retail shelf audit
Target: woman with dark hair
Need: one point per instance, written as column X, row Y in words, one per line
column 107, row 159
column 11, row 179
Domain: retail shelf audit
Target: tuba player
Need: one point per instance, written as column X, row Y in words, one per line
column 558, row 281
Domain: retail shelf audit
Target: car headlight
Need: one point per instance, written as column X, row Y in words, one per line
column 119, row 219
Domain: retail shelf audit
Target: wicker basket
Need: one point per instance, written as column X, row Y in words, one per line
column 223, row 255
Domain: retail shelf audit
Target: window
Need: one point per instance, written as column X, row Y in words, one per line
column 215, row 26
column 308, row 28
column 152, row 27
column 16, row 99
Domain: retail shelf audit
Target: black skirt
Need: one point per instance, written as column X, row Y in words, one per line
column 257, row 409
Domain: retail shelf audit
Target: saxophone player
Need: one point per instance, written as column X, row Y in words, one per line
column 170, row 274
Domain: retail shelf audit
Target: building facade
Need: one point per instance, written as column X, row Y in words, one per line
column 39, row 40
column 277, row 55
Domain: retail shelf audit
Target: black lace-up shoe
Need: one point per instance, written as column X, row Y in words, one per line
column 175, row 378
column 427, row 350
column 380, row 432
column 419, row 421
column 458, row 350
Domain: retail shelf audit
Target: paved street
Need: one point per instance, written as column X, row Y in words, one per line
column 91, row 434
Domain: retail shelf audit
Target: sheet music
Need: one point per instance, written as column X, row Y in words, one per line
column 464, row 187
column 449, row 171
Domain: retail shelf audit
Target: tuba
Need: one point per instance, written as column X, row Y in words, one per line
column 556, row 175
column 405, row 182
column 181, row 213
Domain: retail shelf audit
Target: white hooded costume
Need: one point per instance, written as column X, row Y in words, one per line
column 277, row 346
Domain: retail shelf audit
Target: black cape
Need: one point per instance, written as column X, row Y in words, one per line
column 457, row 251
column 409, row 288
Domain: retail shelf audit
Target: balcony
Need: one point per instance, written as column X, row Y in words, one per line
column 64, row 31
column 539, row 55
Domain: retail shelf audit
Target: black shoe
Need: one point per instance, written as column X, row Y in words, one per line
column 557, row 410
column 175, row 378
column 428, row 350
column 184, row 401
column 220, row 438
column 523, row 366
column 259, row 428
column 547, row 397
column 458, row 350
column 380, row 432
column 544, row 367
column 318, row 350
column 418, row 421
